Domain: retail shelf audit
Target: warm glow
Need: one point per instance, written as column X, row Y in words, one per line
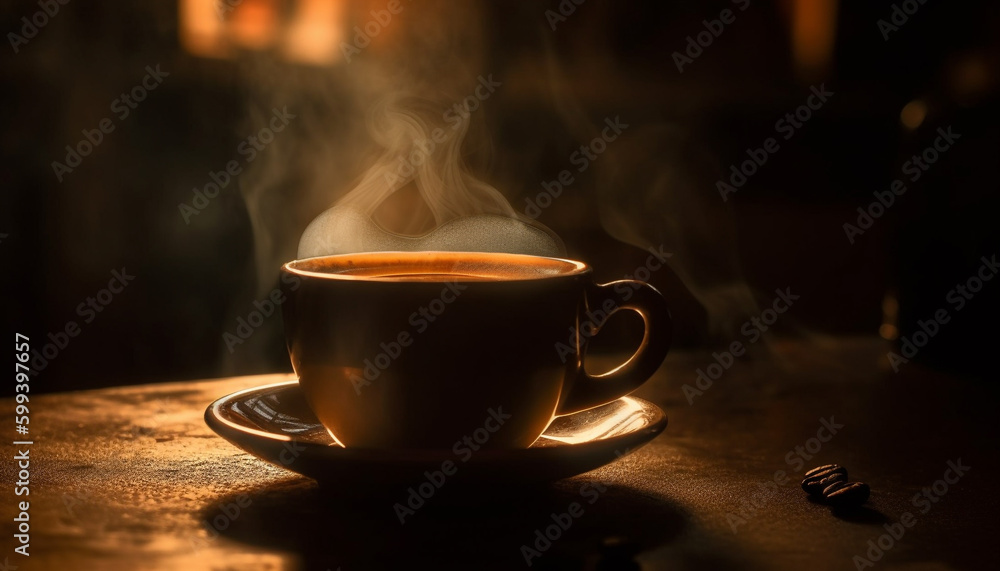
column 889, row 329
column 316, row 31
column 201, row 29
column 913, row 114
column 253, row 24
column 888, row 332
column 629, row 416
column 814, row 26
column 306, row 31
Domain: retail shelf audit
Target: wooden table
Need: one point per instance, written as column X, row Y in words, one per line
column 132, row 478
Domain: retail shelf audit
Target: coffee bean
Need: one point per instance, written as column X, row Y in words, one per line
column 819, row 478
column 827, row 468
column 829, row 481
column 843, row 494
column 834, row 487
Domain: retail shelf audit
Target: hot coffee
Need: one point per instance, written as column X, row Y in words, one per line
column 430, row 266
column 413, row 350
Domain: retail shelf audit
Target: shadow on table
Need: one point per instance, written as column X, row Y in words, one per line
column 347, row 529
column 863, row 515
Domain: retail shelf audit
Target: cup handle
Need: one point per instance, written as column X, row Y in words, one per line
column 588, row 391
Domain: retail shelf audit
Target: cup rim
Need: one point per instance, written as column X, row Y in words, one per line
column 573, row 267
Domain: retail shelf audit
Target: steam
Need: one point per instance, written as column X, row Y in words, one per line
column 352, row 176
column 421, row 149
column 689, row 222
column 411, row 146
column 343, row 230
column 433, row 51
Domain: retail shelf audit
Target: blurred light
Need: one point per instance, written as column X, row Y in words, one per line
column 913, row 114
column 971, row 76
column 890, row 305
column 315, row 32
column 201, row 29
column 814, row 26
column 306, row 31
column 889, row 330
column 628, row 415
column 253, row 24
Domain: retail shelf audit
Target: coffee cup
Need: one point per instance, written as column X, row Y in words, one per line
column 436, row 350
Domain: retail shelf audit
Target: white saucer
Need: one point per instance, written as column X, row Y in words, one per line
column 274, row 423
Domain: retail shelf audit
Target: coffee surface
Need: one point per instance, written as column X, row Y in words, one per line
column 437, row 267
column 421, row 277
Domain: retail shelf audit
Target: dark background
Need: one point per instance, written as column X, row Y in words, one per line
column 656, row 185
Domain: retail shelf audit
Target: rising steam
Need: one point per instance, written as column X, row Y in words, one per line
column 421, row 149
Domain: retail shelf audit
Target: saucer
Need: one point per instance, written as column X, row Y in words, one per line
column 274, row 423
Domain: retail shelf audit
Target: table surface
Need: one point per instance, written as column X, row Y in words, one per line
column 132, row 478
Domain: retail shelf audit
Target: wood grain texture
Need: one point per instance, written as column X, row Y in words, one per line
column 132, row 478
